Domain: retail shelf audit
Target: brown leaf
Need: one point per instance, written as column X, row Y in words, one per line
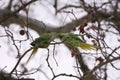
column 100, row 59
column 82, row 26
column 93, row 27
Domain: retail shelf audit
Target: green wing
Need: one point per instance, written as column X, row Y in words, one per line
column 73, row 41
column 44, row 40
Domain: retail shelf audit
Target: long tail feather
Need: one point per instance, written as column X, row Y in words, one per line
column 33, row 52
column 85, row 46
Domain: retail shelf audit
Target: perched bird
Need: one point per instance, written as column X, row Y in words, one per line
column 69, row 39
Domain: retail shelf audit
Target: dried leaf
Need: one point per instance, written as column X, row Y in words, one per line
column 93, row 27
column 82, row 26
column 100, row 59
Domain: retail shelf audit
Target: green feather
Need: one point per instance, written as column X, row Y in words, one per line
column 70, row 39
column 42, row 42
column 73, row 41
column 33, row 52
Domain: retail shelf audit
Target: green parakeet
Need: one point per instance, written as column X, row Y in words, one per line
column 42, row 42
column 73, row 41
column 70, row 39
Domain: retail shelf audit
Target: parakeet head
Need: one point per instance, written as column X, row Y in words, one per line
column 41, row 45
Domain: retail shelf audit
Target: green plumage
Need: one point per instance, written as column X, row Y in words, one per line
column 73, row 41
column 42, row 42
column 70, row 39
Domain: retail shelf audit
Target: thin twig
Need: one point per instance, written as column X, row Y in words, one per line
column 54, row 56
column 20, row 60
column 64, row 74
column 47, row 59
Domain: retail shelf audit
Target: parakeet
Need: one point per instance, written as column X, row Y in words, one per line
column 70, row 39
column 42, row 42
column 73, row 41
